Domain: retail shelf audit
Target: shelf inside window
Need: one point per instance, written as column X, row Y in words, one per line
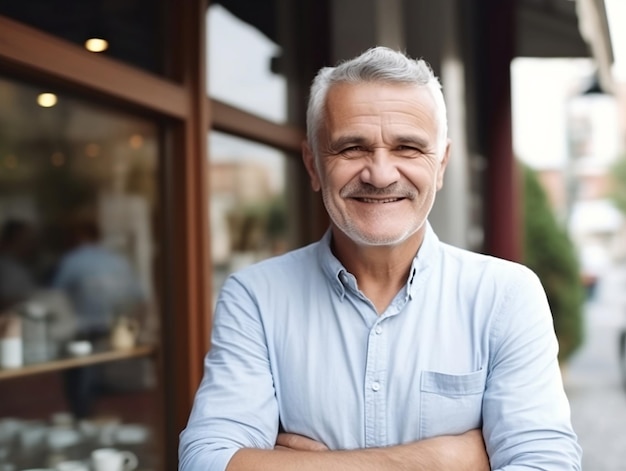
column 78, row 361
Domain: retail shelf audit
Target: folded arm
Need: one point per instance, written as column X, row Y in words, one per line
column 526, row 416
column 464, row 452
column 234, row 421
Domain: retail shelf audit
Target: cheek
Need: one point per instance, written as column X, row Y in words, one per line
column 423, row 176
column 338, row 175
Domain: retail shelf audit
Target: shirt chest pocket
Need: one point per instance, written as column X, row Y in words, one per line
column 450, row 404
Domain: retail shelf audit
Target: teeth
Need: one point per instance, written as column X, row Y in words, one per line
column 371, row 200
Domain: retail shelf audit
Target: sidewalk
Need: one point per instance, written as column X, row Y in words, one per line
column 592, row 380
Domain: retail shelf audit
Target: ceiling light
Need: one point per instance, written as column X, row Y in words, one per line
column 96, row 44
column 136, row 141
column 46, row 100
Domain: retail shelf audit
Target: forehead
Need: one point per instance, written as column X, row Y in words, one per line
column 380, row 104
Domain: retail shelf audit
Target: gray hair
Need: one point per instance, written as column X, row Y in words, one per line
column 379, row 65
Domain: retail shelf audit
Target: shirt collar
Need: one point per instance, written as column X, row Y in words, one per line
column 340, row 278
column 332, row 267
column 426, row 257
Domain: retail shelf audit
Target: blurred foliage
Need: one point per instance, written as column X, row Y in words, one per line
column 257, row 226
column 618, row 188
column 550, row 253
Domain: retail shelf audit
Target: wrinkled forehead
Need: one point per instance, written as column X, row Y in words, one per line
column 398, row 103
column 354, row 102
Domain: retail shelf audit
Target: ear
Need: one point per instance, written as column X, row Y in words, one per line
column 443, row 164
column 309, row 162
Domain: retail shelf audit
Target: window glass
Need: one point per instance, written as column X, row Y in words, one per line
column 241, row 58
column 133, row 30
column 249, row 203
column 78, row 314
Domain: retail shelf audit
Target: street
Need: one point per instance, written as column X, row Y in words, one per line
column 592, row 380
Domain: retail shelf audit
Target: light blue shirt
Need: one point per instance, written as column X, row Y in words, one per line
column 100, row 283
column 469, row 342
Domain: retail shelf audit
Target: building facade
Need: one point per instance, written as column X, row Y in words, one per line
column 175, row 152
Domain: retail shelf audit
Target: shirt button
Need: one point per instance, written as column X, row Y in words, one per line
column 378, row 330
column 375, row 386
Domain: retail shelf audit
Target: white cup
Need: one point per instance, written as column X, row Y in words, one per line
column 32, row 434
column 110, row 459
column 60, row 438
column 11, row 352
column 9, row 429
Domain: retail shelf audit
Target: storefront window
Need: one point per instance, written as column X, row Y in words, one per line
column 241, row 58
column 249, row 203
column 131, row 30
column 78, row 309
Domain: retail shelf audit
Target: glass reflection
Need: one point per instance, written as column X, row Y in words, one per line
column 248, row 203
column 78, row 196
column 240, row 57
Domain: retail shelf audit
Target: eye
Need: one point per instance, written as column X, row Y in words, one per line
column 353, row 151
column 408, row 151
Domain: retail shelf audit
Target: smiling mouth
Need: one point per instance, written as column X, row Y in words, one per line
column 378, row 200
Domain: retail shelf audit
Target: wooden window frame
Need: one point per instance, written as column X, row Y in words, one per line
column 35, row 55
column 232, row 120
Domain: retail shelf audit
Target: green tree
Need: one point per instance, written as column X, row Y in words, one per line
column 550, row 253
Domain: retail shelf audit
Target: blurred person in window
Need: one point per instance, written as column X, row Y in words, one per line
column 18, row 243
column 380, row 347
column 102, row 286
column 100, row 282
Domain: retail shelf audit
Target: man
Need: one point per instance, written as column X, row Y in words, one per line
column 379, row 347
column 100, row 282
column 103, row 289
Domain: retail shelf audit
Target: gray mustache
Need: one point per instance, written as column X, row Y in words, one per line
column 365, row 190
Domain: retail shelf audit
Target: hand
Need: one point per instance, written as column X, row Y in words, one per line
column 292, row 441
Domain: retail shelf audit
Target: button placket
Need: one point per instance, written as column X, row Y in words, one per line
column 375, row 380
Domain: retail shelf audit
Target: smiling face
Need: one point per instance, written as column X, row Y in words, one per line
column 380, row 163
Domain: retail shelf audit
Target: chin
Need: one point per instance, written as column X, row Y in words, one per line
column 376, row 234
column 377, row 239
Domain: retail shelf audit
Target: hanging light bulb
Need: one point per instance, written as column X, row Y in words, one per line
column 46, row 100
column 96, row 44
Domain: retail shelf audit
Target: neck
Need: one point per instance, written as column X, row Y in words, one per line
column 381, row 271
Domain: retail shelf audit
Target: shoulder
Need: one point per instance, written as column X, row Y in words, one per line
column 474, row 262
column 267, row 288
column 282, row 270
column 486, row 275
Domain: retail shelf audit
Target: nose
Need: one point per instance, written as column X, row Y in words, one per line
column 380, row 170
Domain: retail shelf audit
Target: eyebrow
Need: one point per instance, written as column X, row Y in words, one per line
column 418, row 141
column 355, row 139
column 341, row 142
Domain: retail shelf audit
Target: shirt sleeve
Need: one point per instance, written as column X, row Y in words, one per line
column 526, row 414
column 235, row 406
